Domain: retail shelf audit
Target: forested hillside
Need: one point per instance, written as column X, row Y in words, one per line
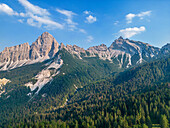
column 138, row 97
column 75, row 73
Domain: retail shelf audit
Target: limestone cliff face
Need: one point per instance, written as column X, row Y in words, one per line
column 125, row 52
column 75, row 50
column 16, row 53
column 102, row 51
column 134, row 47
column 134, row 51
column 44, row 47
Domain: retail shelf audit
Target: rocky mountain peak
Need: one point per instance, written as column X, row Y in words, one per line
column 62, row 46
column 120, row 38
column 126, row 52
column 45, row 37
column 167, row 46
column 45, row 45
column 165, row 49
column 43, row 48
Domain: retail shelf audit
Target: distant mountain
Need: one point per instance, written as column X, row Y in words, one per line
column 124, row 52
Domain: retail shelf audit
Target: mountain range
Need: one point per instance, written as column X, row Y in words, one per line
column 49, row 81
column 125, row 52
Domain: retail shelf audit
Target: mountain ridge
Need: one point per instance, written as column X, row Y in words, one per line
column 123, row 51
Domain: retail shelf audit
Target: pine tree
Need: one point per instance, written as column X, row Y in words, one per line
column 144, row 126
column 164, row 122
column 149, row 122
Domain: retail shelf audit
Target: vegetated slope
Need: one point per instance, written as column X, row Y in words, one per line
column 73, row 73
column 137, row 97
column 136, row 80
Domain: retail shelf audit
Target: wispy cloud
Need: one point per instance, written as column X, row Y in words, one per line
column 86, row 12
column 116, row 22
column 129, row 32
column 69, row 20
column 130, row 16
column 90, row 39
column 6, row 9
column 38, row 17
column 82, row 31
column 90, row 19
column 21, row 20
column 38, row 21
column 67, row 13
column 34, row 15
column 33, row 8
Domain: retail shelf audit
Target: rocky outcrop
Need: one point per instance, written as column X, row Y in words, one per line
column 133, row 52
column 125, row 52
column 165, row 50
column 46, row 75
column 75, row 50
column 102, row 51
column 43, row 48
column 3, row 82
column 10, row 57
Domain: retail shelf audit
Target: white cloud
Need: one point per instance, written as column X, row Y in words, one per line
column 90, row 19
column 116, row 22
column 86, row 12
column 34, row 15
column 89, row 39
column 22, row 14
column 143, row 14
column 38, row 17
column 32, row 22
column 69, row 14
column 33, row 8
column 130, row 16
column 6, row 9
column 39, row 21
column 82, row 30
column 21, row 20
column 129, row 32
column 71, row 25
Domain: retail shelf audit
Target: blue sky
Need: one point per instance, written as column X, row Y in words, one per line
column 84, row 22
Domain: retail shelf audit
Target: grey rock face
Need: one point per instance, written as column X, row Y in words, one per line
column 44, row 47
column 16, row 53
column 125, row 52
column 165, row 50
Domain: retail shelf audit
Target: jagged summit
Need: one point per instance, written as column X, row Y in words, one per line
column 45, row 47
column 120, row 38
